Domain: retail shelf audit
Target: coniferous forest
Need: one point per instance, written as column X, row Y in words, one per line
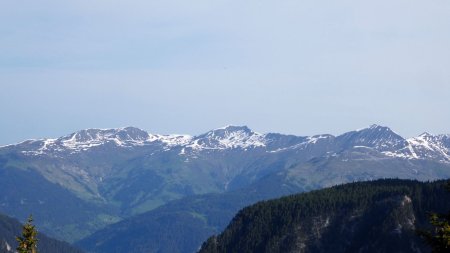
column 378, row 216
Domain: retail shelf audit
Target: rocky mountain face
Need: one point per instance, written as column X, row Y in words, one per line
column 378, row 216
column 103, row 176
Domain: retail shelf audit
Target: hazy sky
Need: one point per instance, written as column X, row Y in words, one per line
column 171, row 66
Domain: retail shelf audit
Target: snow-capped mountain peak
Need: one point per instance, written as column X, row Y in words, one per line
column 425, row 146
column 229, row 130
column 171, row 140
column 89, row 138
column 229, row 137
column 126, row 134
column 426, row 135
column 375, row 136
column 430, row 146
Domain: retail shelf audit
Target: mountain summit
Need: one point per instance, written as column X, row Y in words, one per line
column 229, row 137
column 378, row 137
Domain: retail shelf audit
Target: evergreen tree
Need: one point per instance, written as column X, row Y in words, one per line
column 28, row 241
column 439, row 238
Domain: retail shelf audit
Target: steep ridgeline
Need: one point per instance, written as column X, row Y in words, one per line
column 10, row 228
column 78, row 184
column 378, row 216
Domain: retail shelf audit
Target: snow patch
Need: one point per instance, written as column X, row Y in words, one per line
column 8, row 247
column 316, row 138
column 425, row 146
column 228, row 137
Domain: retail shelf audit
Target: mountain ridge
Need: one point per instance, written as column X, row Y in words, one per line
column 229, row 137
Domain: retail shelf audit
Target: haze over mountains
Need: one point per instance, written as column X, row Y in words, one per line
column 77, row 184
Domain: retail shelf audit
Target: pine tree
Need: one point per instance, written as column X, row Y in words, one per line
column 439, row 238
column 28, row 241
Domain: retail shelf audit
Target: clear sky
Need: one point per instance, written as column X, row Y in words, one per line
column 298, row 67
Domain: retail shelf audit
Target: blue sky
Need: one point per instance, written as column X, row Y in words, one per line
column 299, row 67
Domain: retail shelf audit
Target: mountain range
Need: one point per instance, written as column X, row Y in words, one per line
column 383, row 139
column 110, row 180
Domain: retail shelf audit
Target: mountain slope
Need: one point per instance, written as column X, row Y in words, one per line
column 10, row 228
column 208, row 214
column 24, row 191
column 179, row 226
column 378, row 216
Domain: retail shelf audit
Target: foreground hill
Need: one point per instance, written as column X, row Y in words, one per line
column 378, row 216
column 10, row 228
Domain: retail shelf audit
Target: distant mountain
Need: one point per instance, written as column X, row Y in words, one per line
column 378, row 137
column 10, row 228
column 379, row 216
column 79, row 183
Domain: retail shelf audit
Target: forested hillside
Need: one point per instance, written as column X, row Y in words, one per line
column 378, row 216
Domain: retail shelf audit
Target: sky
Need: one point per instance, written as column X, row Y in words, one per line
column 299, row 67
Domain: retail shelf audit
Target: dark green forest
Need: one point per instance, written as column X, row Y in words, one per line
column 377, row 216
